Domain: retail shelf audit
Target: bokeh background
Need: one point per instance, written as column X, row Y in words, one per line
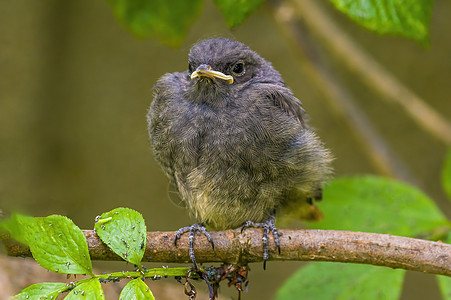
column 75, row 87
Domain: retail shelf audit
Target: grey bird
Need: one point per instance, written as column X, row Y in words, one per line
column 235, row 143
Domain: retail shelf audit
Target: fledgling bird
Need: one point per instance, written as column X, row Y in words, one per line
column 234, row 141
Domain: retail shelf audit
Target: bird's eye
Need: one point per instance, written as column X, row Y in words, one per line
column 238, row 69
column 190, row 68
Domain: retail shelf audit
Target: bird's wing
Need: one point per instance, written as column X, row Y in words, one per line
column 283, row 98
column 157, row 121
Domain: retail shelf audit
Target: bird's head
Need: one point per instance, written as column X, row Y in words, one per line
column 226, row 66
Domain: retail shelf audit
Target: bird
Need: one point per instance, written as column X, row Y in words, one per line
column 235, row 143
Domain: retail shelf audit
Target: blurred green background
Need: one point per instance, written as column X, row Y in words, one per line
column 75, row 87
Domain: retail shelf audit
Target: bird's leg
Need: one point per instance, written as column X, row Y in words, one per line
column 193, row 229
column 267, row 226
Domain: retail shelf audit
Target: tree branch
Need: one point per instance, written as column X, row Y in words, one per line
column 297, row 245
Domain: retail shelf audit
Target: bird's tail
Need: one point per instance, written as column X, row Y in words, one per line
column 300, row 207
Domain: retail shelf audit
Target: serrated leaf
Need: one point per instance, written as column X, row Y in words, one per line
column 136, row 290
column 39, row 290
column 124, row 231
column 90, row 290
column 409, row 18
column 168, row 20
column 57, row 244
column 380, row 205
column 327, row 280
column 444, row 284
column 446, row 175
column 236, row 11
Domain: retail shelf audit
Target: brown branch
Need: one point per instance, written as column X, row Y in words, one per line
column 298, row 245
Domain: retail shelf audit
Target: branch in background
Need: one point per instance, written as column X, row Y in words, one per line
column 297, row 245
column 338, row 98
column 372, row 73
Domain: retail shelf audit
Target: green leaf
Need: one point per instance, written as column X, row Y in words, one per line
column 236, row 11
column 409, row 18
column 14, row 227
column 380, row 205
column 57, row 244
column 136, row 290
column 90, row 290
column 444, row 284
column 124, row 231
column 39, row 290
column 446, row 174
column 167, row 20
column 342, row 281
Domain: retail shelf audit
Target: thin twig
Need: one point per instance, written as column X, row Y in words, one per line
column 234, row 247
column 371, row 72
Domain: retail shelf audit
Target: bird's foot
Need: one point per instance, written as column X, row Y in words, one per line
column 267, row 226
column 193, row 229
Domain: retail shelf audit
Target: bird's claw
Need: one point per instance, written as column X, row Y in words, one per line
column 193, row 229
column 267, row 226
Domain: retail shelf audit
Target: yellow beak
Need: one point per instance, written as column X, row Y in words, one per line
column 207, row 71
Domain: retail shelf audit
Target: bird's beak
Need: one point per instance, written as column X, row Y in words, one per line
column 207, row 71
